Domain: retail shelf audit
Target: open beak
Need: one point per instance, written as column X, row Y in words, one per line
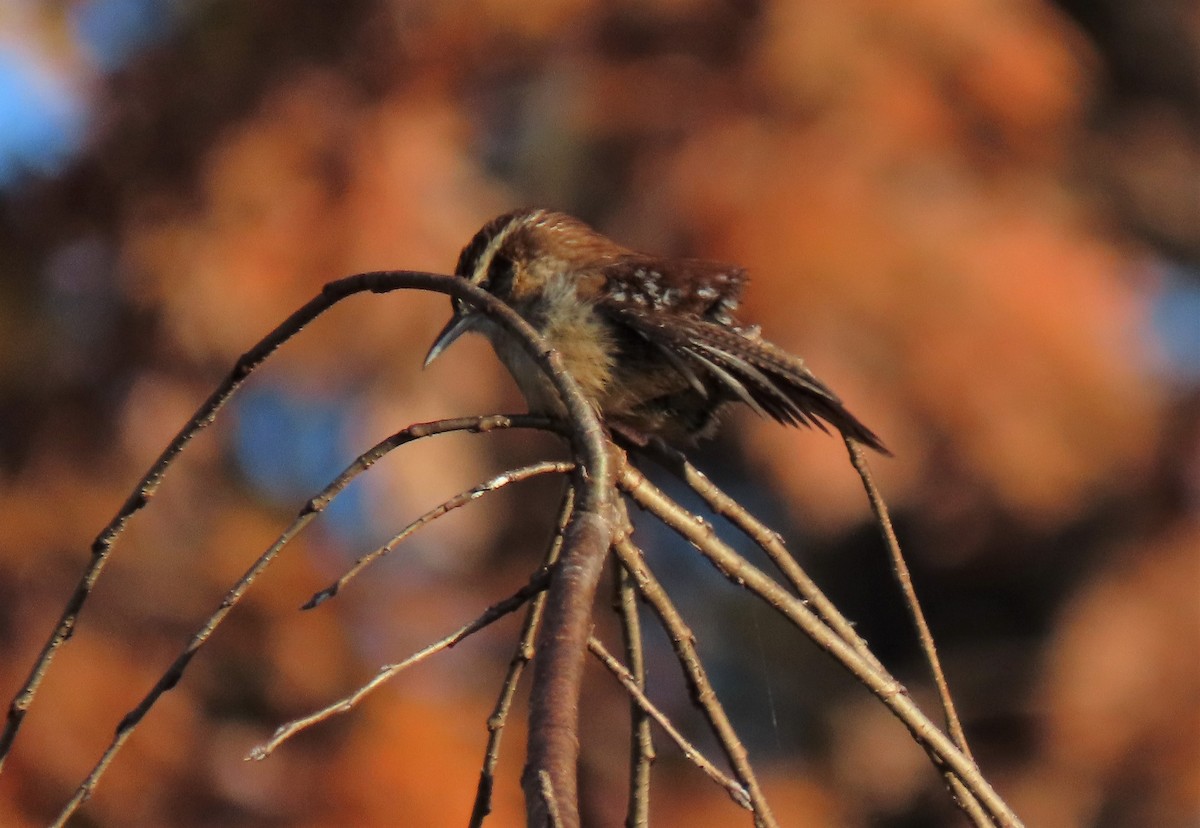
column 458, row 325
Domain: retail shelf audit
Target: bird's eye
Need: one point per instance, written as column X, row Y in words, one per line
column 499, row 276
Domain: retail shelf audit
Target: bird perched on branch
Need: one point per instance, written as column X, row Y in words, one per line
column 651, row 341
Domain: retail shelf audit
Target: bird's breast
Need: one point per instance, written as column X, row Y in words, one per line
column 570, row 326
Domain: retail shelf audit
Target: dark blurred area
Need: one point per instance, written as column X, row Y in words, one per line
column 978, row 221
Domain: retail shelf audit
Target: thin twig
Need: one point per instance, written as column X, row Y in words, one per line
column 766, row 538
column 904, row 580
column 885, row 687
column 549, row 800
column 683, row 640
column 461, row 499
column 537, row 584
column 924, row 635
column 690, row 751
column 522, row 655
column 641, row 743
column 313, row 507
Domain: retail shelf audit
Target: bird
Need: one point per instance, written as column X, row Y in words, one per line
column 652, row 341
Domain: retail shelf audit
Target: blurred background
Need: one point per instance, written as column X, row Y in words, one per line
column 978, row 220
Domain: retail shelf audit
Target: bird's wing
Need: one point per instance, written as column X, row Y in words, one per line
column 701, row 288
column 745, row 366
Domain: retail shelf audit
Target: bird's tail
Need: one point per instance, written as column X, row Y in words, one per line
column 770, row 380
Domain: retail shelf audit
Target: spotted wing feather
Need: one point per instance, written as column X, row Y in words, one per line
column 695, row 287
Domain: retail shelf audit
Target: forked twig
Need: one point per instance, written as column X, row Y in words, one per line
column 522, row 655
column 537, row 584
column 741, row 572
column 701, row 689
column 736, row 792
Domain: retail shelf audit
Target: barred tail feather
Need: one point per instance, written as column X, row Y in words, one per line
column 778, row 383
column 740, row 366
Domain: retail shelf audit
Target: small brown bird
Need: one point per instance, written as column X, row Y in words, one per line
column 651, row 341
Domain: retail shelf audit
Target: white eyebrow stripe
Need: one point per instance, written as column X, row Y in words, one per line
column 484, row 262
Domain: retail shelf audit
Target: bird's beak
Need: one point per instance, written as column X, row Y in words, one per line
column 458, row 325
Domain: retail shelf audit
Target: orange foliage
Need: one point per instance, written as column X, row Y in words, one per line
column 900, row 179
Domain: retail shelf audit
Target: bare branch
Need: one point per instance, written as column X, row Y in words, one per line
column 772, row 544
column 641, row 748
column 741, row 572
column 766, row 538
column 561, row 594
column 548, row 800
column 703, row 694
column 102, row 546
column 496, row 611
column 736, row 792
column 522, row 655
column 904, row 580
column 587, row 437
column 554, row 710
column 462, row 499
column 554, row 701
column 313, row 507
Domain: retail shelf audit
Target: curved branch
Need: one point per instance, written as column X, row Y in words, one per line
column 144, row 491
column 553, row 756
